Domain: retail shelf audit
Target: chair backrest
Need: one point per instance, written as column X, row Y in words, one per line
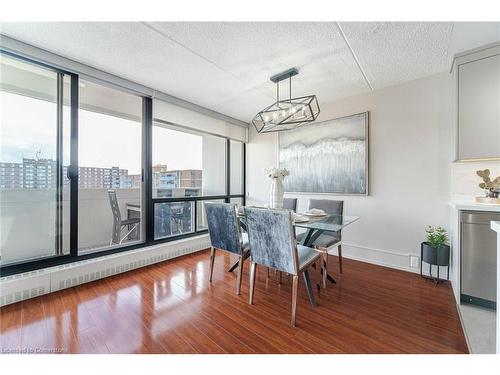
column 117, row 218
column 290, row 204
column 272, row 238
column 330, row 206
column 223, row 227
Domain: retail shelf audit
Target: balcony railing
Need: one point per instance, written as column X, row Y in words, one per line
column 28, row 221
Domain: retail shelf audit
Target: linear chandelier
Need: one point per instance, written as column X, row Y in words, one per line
column 288, row 113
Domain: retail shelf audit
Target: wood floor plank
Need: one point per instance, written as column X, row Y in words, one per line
column 170, row 307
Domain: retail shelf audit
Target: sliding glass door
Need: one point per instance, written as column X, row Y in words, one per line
column 34, row 155
column 110, row 177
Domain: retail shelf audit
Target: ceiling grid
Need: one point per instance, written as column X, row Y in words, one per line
column 225, row 66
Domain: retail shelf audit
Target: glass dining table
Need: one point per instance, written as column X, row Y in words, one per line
column 315, row 226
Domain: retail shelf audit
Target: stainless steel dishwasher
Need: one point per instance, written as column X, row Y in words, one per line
column 479, row 258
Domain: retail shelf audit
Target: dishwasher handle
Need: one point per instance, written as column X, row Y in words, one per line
column 475, row 217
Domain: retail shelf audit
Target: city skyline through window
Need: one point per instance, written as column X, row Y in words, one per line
column 20, row 139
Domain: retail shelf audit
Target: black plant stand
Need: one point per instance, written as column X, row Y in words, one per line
column 439, row 256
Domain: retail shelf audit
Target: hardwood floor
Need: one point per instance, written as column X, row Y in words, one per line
column 171, row 308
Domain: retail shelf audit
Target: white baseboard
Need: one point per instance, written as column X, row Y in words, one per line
column 380, row 257
column 386, row 258
column 26, row 285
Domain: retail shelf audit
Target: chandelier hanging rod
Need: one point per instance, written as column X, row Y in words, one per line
column 287, row 74
column 284, row 75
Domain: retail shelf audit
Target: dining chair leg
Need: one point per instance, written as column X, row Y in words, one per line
column 212, row 259
column 280, row 274
column 295, row 287
column 340, row 258
column 324, row 257
column 240, row 275
column 253, row 270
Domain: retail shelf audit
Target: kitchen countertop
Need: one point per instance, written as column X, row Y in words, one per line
column 495, row 225
column 471, row 205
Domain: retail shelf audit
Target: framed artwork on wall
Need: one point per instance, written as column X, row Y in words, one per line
column 327, row 157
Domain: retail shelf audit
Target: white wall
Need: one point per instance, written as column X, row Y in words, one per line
column 411, row 138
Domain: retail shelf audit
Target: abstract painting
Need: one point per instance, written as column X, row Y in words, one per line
column 327, row 157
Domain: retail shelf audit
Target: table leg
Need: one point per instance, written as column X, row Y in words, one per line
column 234, row 266
column 310, row 294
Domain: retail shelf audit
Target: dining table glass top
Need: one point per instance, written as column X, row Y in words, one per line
column 325, row 223
column 328, row 223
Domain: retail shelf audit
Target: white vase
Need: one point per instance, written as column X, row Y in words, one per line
column 276, row 193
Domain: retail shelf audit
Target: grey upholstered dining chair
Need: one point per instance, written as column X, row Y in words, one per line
column 329, row 239
column 118, row 223
column 290, row 204
column 225, row 234
column 273, row 245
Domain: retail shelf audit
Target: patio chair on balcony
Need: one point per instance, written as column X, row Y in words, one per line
column 118, row 224
column 177, row 218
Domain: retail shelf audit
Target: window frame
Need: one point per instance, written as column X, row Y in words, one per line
column 89, row 169
column 148, row 201
column 226, row 197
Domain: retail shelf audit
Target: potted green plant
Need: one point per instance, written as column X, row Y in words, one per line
column 435, row 250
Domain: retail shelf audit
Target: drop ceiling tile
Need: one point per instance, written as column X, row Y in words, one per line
column 133, row 51
column 395, row 52
column 252, row 52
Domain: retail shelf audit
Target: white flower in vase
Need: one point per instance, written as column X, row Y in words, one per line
column 276, row 193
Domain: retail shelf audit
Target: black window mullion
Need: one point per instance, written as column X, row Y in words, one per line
column 189, row 199
column 228, row 169
column 73, row 168
column 244, row 173
column 148, row 203
column 195, row 204
column 59, row 166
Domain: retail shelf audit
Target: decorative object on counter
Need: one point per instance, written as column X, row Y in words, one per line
column 276, row 193
column 435, row 251
column 490, row 186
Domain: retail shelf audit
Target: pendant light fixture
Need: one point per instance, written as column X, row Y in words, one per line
column 289, row 113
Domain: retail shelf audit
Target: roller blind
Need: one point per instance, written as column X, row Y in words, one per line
column 174, row 114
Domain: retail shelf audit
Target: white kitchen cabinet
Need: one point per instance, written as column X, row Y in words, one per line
column 478, row 104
